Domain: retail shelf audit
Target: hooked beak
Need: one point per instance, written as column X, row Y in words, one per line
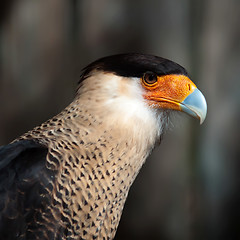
column 177, row 92
column 195, row 105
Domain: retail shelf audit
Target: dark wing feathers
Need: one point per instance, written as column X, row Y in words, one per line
column 11, row 151
column 23, row 177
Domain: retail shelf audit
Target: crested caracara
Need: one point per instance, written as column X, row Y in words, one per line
column 69, row 177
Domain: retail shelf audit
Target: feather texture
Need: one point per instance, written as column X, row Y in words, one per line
column 69, row 177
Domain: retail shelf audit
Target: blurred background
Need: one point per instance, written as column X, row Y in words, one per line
column 189, row 187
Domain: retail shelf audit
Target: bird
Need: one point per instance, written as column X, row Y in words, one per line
column 69, row 177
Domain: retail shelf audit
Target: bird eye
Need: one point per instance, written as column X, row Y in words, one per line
column 149, row 78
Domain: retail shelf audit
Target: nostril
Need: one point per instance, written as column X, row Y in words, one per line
column 189, row 86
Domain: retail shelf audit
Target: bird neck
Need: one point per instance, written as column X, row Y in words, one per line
column 109, row 153
column 102, row 156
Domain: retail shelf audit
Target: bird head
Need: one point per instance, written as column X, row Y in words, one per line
column 158, row 82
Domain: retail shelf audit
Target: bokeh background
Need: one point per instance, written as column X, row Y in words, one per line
column 190, row 187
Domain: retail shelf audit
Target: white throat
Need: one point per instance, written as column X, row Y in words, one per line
column 122, row 99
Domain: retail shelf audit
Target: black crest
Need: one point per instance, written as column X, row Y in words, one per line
column 134, row 65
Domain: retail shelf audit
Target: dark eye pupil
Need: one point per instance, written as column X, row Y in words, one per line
column 150, row 78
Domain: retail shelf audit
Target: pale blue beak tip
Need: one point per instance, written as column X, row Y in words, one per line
column 195, row 105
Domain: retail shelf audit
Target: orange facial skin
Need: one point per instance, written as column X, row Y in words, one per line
column 168, row 91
